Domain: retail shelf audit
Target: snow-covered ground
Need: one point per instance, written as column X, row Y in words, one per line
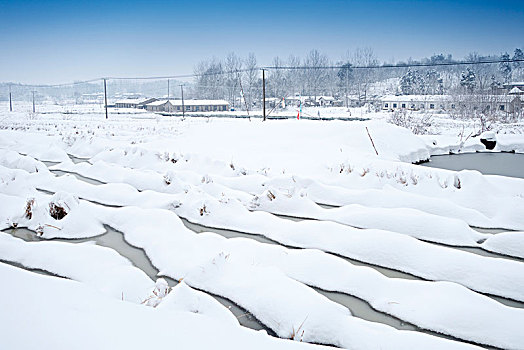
column 68, row 173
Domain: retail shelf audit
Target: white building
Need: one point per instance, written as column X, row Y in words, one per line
column 157, row 106
column 442, row 103
column 133, row 102
column 174, row 106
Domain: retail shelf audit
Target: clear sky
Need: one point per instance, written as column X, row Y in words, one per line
column 61, row 41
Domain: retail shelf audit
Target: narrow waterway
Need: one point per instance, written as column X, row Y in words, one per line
column 359, row 308
column 488, row 163
column 115, row 240
column 78, row 176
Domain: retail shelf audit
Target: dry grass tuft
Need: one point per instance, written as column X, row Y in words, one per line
column 56, row 211
column 29, row 208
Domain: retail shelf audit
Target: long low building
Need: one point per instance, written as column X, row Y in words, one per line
column 133, row 103
column 502, row 103
column 173, row 106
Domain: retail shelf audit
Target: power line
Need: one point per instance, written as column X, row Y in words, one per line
column 236, row 71
column 407, row 65
column 61, row 85
column 383, row 66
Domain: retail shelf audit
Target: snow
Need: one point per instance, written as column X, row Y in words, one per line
column 107, row 271
column 69, row 315
column 240, row 175
column 508, row 243
column 423, row 260
column 184, row 298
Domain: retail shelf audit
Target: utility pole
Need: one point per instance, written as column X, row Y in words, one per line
column 168, row 89
column 264, row 93
column 183, row 107
column 105, row 95
column 33, row 101
column 347, row 86
column 10, row 102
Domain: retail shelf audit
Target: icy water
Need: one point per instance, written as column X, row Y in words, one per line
column 78, row 176
column 359, row 308
column 115, row 240
column 77, row 160
column 488, row 163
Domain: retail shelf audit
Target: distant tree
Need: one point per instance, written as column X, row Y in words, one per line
column 316, row 77
column 344, row 75
column 440, row 58
column 251, row 87
column 468, row 80
column 505, row 67
column 483, row 72
column 518, row 55
column 412, row 83
column 363, row 78
column 495, row 84
column 434, row 83
column 278, row 84
column 295, row 78
column 232, row 65
column 518, row 67
column 209, row 79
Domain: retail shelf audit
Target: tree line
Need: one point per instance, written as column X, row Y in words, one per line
column 238, row 79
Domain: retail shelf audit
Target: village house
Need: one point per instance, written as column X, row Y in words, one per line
column 156, row 106
column 512, row 85
column 318, row 101
column 442, row 103
column 174, row 106
column 516, row 91
column 133, row 103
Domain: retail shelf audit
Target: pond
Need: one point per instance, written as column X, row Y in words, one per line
column 488, row 163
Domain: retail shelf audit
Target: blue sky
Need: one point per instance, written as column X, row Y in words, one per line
column 61, row 41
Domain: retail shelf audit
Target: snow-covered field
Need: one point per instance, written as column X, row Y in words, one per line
column 69, row 174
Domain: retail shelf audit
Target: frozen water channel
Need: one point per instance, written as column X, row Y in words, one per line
column 488, row 163
column 115, row 240
column 359, row 308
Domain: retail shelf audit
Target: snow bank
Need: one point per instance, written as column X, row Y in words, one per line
column 42, row 147
column 38, row 214
column 510, row 143
column 99, row 267
column 91, row 322
column 508, row 243
column 408, row 221
column 383, row 248
column 178, row 252
column 184, row 298
column 14, row 160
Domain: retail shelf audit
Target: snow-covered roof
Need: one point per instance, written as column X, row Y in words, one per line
column 157, row 103
column 515, row 91
column 199, row 102
column 415, row 98
column 447, row 98
column 129, row 101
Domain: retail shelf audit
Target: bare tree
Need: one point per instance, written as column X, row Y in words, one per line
column 252, row 86
column 279, row 86
column 209, row 79
column 364, row 77
column 316, row 77
column 232, row 66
